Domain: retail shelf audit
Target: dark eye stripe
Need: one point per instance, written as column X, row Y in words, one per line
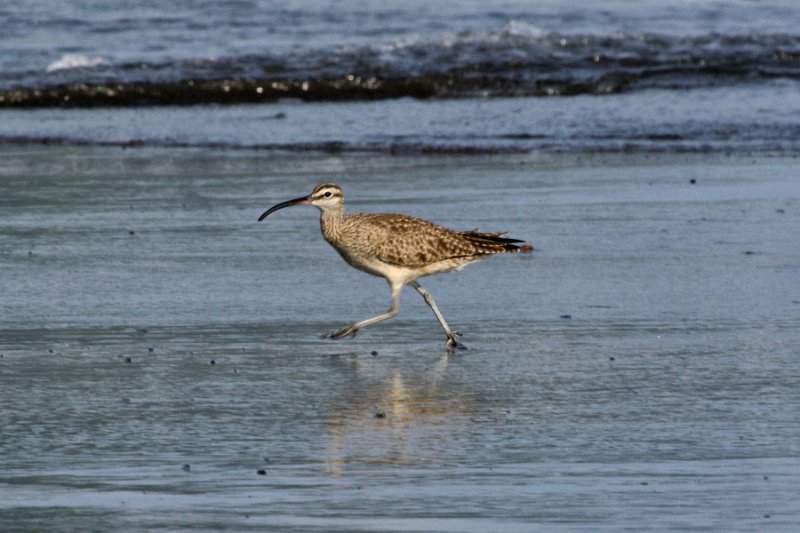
column 330, row 194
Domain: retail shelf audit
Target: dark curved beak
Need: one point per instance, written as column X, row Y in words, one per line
column 305, row 200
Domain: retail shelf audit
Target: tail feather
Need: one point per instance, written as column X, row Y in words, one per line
column 493, row 242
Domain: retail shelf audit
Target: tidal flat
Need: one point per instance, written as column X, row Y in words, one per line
column 161, row 366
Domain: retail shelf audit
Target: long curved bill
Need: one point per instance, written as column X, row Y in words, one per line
column 305, row 200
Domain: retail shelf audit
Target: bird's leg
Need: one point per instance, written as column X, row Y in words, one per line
column 353, row 328
column 452, row 341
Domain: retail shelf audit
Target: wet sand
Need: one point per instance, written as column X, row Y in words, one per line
column 162, row 368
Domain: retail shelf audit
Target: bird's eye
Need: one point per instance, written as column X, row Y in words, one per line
column 327, row 194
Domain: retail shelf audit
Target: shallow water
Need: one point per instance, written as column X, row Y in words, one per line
column 639, row 370
column 705, row 121
column 469, row 77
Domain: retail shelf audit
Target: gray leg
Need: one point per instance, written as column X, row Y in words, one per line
column 353, row 328
column 452, row 341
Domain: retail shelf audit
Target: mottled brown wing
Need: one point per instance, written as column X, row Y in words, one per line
column 408, row 241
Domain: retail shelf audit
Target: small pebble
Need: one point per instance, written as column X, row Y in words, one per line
column 261, row 472
column 766, row 516
column 644, row 483
column 150, row 350
column 781, row 211
column 611, row 359
column 126, row 400
column 51, row 351
column 380, row 415
column 373, row 352
column 128, row 360
column 186, row 468
column 766, row 478
column 212, row 362
column 749, row 252
column 131, row 232
column 566, row 317
column 692, row 181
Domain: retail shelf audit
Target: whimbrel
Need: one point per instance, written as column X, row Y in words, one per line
column 398, row 248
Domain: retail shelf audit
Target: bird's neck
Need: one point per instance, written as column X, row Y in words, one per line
column 331, row 221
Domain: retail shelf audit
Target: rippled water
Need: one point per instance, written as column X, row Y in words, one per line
column 162, row 368
column 462, row 76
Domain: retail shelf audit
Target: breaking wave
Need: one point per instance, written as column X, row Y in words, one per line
column 515, row 60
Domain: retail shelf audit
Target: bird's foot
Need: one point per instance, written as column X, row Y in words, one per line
column 344, row 332
column 452, row 342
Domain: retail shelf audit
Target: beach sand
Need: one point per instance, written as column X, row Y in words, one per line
column 161, row 366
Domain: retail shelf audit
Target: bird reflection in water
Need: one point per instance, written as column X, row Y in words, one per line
column 398, row 419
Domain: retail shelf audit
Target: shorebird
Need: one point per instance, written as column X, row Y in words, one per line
column 398, row 248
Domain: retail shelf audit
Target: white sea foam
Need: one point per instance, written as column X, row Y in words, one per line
column 69, row 61
column 518, row 28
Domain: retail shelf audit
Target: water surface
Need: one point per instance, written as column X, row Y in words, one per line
column 160, row 347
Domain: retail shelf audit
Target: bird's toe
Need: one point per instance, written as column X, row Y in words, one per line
column 344, row 332
column 453, row 344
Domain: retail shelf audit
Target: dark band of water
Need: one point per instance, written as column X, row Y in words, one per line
column 496, row 64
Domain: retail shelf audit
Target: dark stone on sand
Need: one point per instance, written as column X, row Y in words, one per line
column 373, row 352
column 131, row 232
column 749, row 252
column 128, row 360
column 150, row 350
column 644, row 483
column 212, row 362
column 51, row 351
column 692, row 181
column 186, row 468
column 380, row 415
column 611, row 359
column 565, row 317
column 261, row 472
column 781, row 211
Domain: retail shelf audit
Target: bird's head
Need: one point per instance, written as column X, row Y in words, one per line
column 326, row 197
